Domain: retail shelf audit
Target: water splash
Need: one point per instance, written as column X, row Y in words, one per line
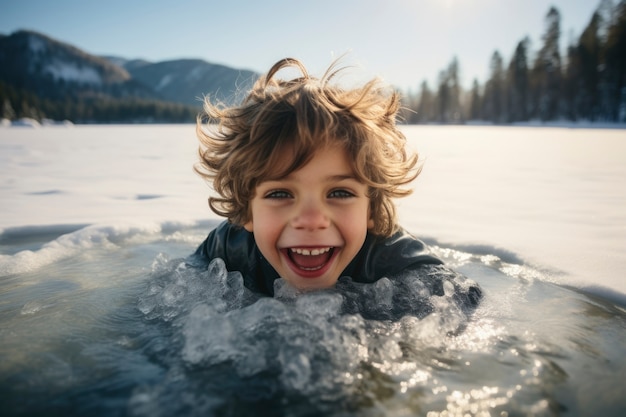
column 326, row 346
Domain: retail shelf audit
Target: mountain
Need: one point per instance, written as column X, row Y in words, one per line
column 54, row 70
column 44, row 77
column 187, row 81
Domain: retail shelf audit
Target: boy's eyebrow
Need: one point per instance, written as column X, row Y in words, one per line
column 338, row 177
column 341, row 177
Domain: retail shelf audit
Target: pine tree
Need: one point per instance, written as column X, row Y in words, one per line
column 449, row 95
column 518, row 84
column 494, row 101
column 589, row 49
column 475, row 106
column 615, row 102
column 547, row 70
column 425, row 110
column 572, row 79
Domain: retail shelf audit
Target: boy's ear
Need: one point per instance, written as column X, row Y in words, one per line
column 370, row 223
column 248, row 226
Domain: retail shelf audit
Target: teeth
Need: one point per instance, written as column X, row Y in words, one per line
column 312, row 252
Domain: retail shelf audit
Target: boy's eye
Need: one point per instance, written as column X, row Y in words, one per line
column 278, row 194
column 340, row 194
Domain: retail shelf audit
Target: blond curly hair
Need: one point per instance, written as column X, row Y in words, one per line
column 240, row 146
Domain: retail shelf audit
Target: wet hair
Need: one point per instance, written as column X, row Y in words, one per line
column 244, row 145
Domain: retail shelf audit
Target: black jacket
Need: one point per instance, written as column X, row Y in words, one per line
column 377, row 258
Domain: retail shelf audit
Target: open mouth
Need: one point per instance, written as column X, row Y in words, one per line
column 310, row 260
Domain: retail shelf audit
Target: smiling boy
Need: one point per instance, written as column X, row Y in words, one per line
column 305, row 172
column 310, row 224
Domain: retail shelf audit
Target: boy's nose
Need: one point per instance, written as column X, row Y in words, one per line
column 310, row 216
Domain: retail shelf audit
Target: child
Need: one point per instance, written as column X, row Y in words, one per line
column 305, row 172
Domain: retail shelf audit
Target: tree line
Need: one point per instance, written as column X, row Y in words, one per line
column 19, row 103
column 587, row 83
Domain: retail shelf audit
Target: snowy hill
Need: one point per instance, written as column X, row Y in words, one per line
column 188, row 80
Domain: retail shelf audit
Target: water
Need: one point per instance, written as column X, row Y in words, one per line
column 113, row 321
column 99, row 315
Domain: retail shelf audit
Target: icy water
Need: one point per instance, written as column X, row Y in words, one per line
column 101, row 315
column 123, row 326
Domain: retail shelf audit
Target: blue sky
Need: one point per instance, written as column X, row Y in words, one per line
column 402, row 41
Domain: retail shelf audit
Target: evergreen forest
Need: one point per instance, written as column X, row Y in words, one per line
column 587, row 83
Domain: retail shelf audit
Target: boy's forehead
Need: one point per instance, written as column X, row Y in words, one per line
column 287, row 160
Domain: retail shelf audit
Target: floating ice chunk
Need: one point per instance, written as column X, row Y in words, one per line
column 246, row 336
column 448, row 288
column 234, row 289
column 285, row 291
column 172, row 295
column 217, row 271
column 267, row 309
column 175, row 288
column 209, row 337
column 346, row 339
column 320, row 304
column 226, row 285
column 384, row 293
column 415, row 289
column 372, row 301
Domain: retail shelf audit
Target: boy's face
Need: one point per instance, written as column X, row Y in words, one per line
column 310, row 224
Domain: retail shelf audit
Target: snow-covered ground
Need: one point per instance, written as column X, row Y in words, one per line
column 553, row 197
